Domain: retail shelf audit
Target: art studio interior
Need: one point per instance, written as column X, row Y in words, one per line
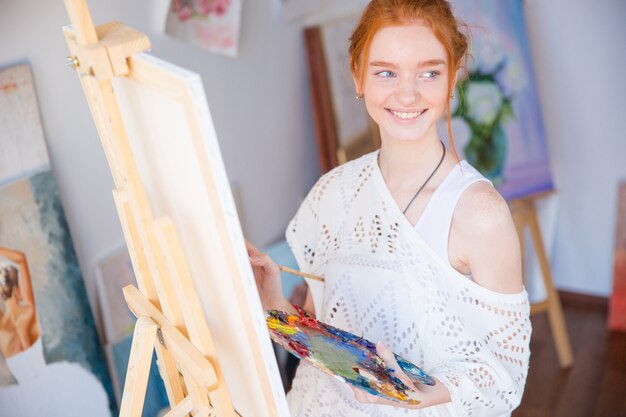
column 305, row 208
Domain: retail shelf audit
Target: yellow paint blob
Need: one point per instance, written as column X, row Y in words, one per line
column 275, row 324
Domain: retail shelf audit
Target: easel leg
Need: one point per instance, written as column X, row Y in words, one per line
column 138, row 370
column 170, row 375
column 555, row 311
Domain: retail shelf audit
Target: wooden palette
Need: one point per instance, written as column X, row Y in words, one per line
column 343, row 355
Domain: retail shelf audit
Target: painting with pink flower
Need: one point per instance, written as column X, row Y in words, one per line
column 210, row 24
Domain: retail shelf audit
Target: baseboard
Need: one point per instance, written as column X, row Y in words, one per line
column 584, row 301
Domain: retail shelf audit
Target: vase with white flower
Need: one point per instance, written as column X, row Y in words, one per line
column 485, row 103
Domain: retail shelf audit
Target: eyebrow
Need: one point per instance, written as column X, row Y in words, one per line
column 428, row 63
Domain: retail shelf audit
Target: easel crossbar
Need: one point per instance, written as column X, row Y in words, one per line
column 185, row 353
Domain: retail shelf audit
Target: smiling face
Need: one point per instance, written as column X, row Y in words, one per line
column 406, row 82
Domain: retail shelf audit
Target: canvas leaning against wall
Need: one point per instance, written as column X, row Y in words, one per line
column 497, row 122
column 49, row 348
column 113, row 273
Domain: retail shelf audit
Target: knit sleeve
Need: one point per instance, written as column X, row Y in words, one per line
column 482, row 342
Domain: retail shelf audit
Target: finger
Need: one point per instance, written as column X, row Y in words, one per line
column 255, row 255
column 359, row 395
column 390, row 360
column 252, row 250
column 260, row 259
column 267, row 263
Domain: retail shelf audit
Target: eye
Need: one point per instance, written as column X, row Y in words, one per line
column 430, row 75
column 386, row 74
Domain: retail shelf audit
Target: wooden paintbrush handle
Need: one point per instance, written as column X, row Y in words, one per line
column 301, row 274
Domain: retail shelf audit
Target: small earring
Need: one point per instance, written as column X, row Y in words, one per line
column 451, row 96
column 359, row 96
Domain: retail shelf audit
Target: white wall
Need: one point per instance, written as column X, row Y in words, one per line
column 260, row 104
column 580, row 56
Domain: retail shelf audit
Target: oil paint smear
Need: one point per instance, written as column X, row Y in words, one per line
column 343, row 355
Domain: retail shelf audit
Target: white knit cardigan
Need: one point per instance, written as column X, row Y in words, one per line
column 385, row 283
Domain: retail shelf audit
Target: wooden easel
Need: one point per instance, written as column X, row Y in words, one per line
column 525, row 216
column 170, row 318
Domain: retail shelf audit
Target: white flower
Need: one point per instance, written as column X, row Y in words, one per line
column 512, row 78
column 484, row 99
column 488, row 54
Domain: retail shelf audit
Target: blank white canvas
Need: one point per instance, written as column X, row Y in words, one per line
column 178, row 173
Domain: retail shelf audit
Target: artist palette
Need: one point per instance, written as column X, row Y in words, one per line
column 344, row 355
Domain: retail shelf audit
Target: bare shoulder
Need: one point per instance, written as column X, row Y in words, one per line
column 482, row 206
column 487, row 239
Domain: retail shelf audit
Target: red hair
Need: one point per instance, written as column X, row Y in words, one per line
column 437, row 14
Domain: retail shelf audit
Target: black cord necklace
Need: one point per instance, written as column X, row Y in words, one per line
column 427, row 179
column 443, row 147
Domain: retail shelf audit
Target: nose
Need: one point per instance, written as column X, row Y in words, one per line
column 408, row 91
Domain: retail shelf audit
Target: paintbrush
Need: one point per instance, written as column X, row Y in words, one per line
column 301, row 274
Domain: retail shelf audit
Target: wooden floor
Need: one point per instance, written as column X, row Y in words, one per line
column 596, row 384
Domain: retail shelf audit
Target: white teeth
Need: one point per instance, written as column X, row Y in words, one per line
column 403, row 115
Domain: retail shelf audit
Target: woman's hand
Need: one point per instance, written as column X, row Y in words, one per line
column 428, row 395
column 267, row 276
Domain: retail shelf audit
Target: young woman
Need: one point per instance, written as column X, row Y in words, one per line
column 418, row 250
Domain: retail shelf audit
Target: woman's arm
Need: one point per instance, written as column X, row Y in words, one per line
column 493, row 311
column 483, row 242
column 483, row 238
